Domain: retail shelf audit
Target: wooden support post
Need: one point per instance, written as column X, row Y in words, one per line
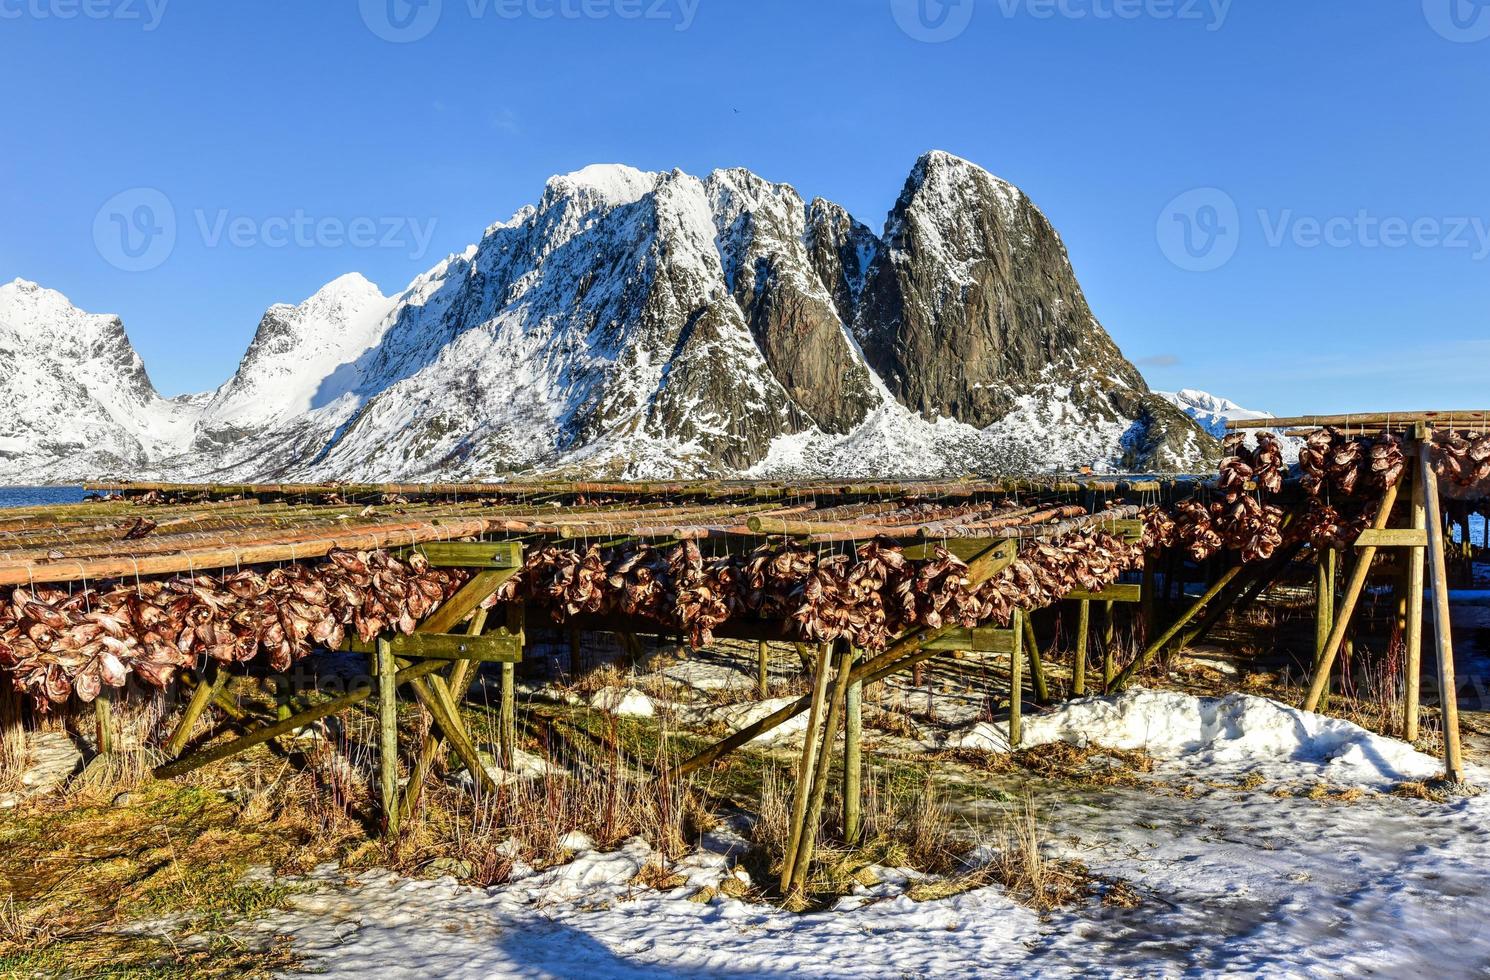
column 805, row 768
column 1037, row 668
column 1016, row 681
column 1448, row 690
column 461, row 676
column 1324, row 600
column 387, row 734
column 1347, row 606
column 805, row 656
column 261, row 735
column 807, row 841
column 1109, row 640
column 103, row 720
column 1142, row 660
column 762, row 665
column 201, row 696
column 1078, row 668
column 1149, row 602
column 1242, row 592
column 853, row 761
column 453, row 730
column 1412, row 654
column 507, row 701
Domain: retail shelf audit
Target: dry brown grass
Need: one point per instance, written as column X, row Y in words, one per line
column 1091, row 765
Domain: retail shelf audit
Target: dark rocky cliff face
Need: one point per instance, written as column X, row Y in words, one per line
column 972, row 303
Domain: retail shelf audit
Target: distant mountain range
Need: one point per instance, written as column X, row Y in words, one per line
column 634, row 324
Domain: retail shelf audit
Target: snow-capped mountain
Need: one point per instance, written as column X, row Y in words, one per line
column 1210, row 411
column 659, row 324
column 78, row 400
column 296, row 361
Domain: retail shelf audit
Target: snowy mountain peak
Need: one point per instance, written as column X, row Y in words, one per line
column 295, row 352
column 610, row 185
column 1211, row 412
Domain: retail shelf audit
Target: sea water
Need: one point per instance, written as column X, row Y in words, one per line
column 39, row 496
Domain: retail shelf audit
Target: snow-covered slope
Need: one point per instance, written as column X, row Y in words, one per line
column 301, row 357
column 78, row 400
column 638, row 324
column 1210, row 411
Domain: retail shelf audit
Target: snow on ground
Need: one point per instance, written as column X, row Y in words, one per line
column 1233, row 881
column 1236, row 732
column 51, row 757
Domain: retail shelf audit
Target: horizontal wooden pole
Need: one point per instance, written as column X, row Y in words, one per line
column 1392, row 537
column 497, row 647
column 472, row 554
column 983, row 639
column 1112, row 593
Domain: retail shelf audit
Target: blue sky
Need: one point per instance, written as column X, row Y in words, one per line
column 1282, row 202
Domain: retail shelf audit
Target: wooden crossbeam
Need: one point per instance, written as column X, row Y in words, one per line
column 1393, row 537
column 1112, row 593
column 493, row 648
column 473, row 554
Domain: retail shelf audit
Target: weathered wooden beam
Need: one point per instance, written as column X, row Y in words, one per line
column 1078, row 667
column 1438, row 576
column 455, row 609
column 982, row 639
column 1393, row 537
column 808, row 839
column 853, row 761
column 387, row 735
column 806, row 766
column 1346, row 609
column 1037, row 666
column 1124, row 592
column 201, row 696
column 1413, row 615
column 1016, row 682
column 264, row 734
column 487, row 648
column 473, row 554
column 1143, row 659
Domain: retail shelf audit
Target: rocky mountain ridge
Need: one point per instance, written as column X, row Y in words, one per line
column 637, row 324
